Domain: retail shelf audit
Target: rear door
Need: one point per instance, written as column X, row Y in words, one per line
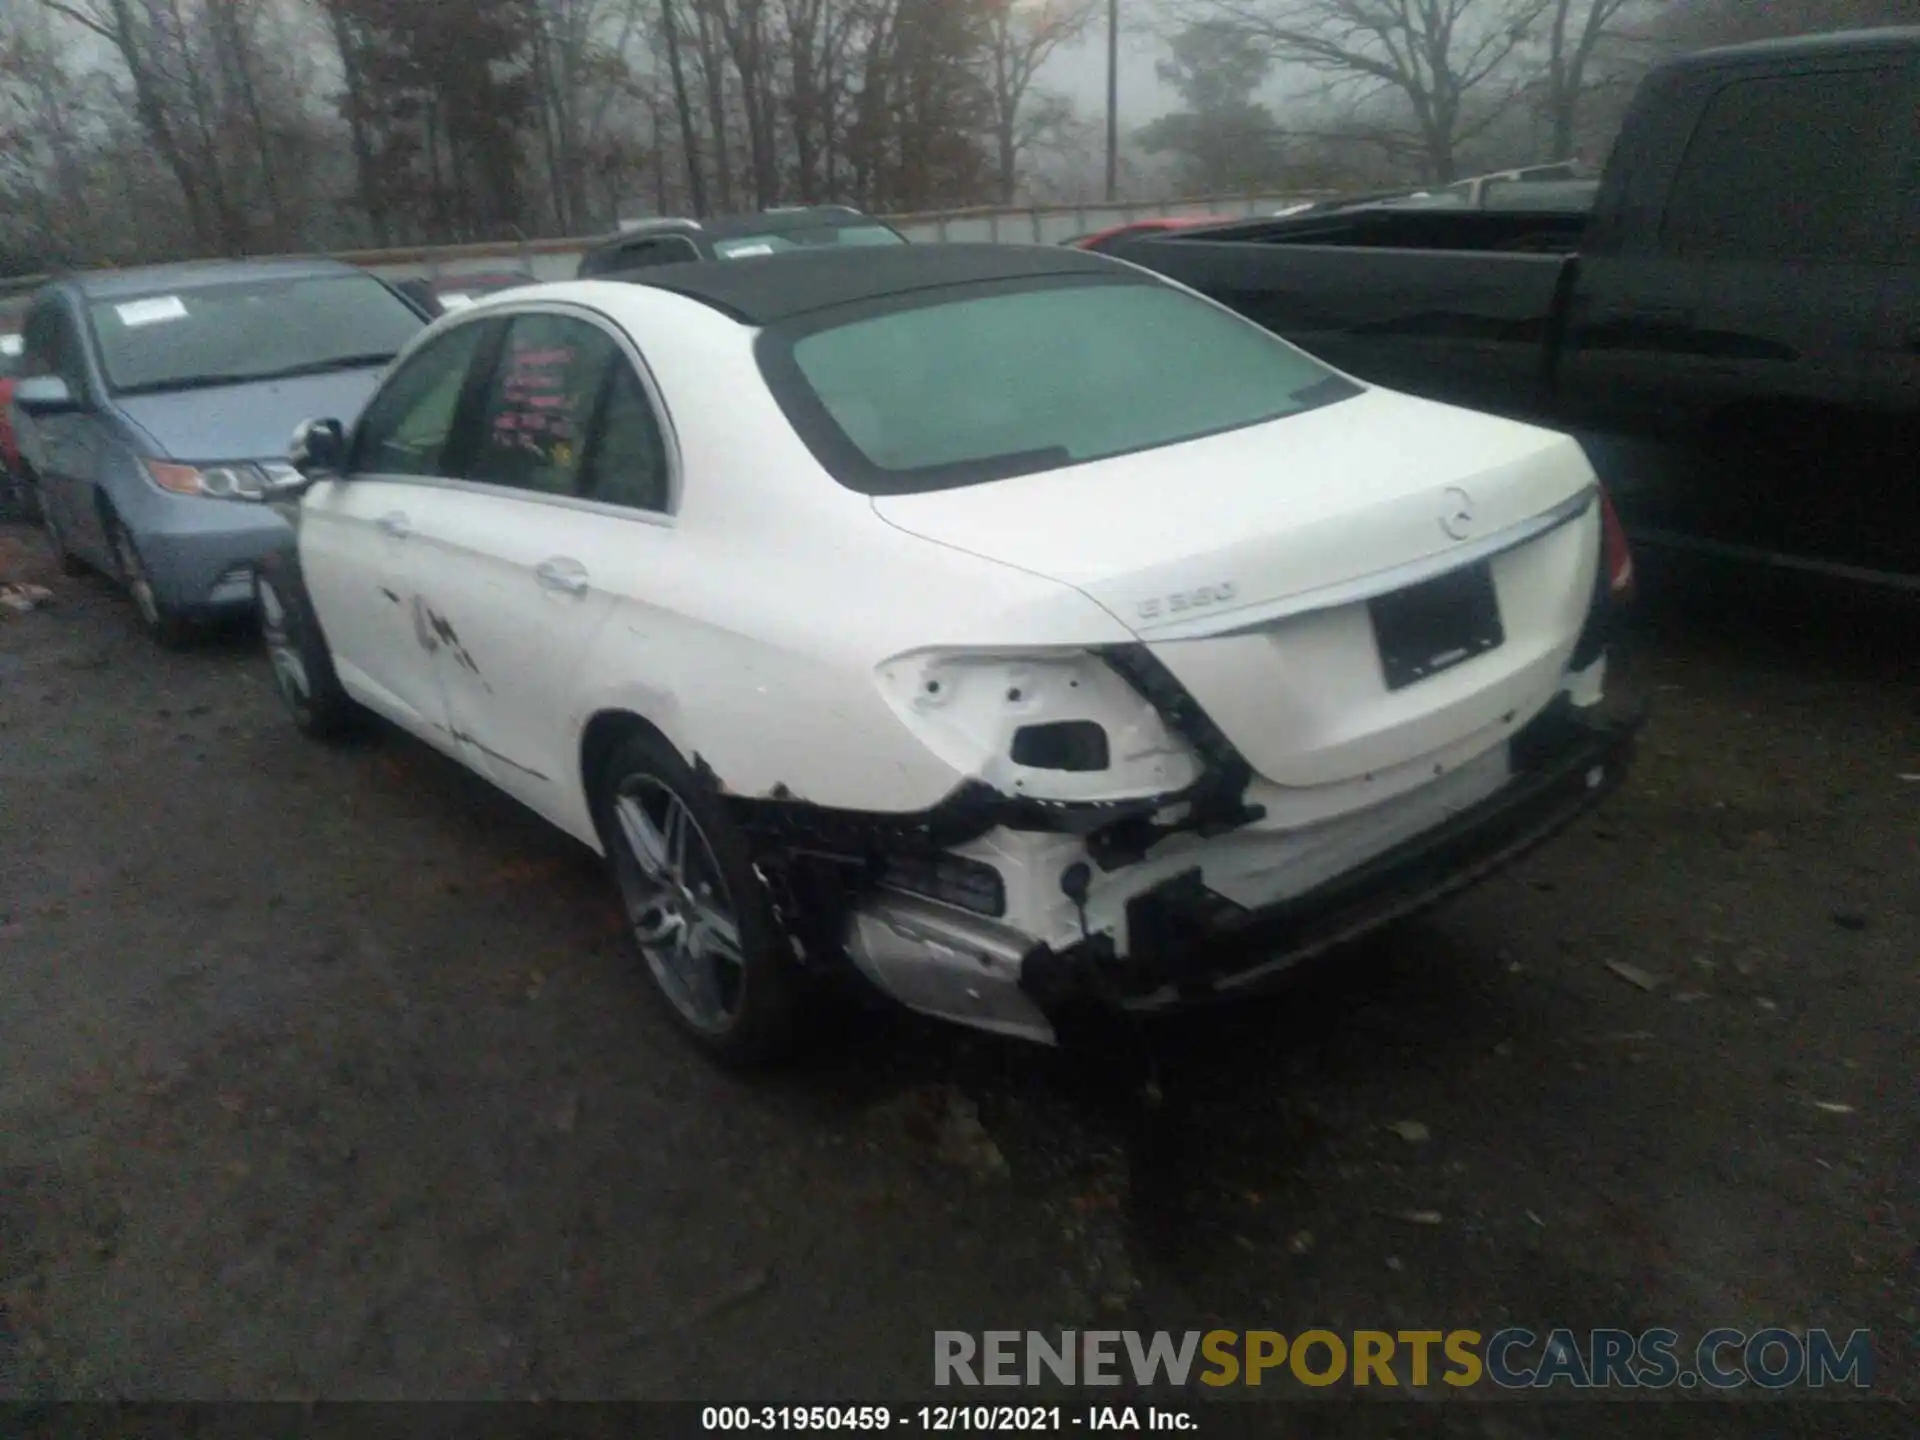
column 1891, row 384
column 1632, row 352
column 558, row 518
column 1785, row 202
column 359, row 537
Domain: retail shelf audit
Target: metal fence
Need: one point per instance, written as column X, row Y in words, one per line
column 1030, row 225
column 1026, row 225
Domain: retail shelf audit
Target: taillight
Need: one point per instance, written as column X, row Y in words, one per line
column 1615, row 553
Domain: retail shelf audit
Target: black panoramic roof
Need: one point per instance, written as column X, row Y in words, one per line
column 1820, row 46
column 768, row 291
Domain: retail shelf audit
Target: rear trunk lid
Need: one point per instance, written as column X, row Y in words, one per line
column 1249, row 562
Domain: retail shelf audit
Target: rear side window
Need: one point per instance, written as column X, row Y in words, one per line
column 1790, row 167
column 971, row 386
column 627, row 457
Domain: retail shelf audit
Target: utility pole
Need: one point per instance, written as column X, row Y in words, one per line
column 1113, row 100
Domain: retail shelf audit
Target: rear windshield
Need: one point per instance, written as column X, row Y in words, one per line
column 249, row 330
column 744, row 247
column 1036, row 376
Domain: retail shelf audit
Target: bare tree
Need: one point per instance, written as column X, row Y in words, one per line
column 683, row 107
column 1575, row 29
column 713, row 76
column 1022, row 36
column 744, row 29
column 811, row 57
column 40, row 145
column 1435, row 55
column 222, row 126
column 169, row 95
column 580, row 60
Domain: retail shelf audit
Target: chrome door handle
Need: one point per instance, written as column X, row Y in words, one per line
column 396, row 524
column 562, row 576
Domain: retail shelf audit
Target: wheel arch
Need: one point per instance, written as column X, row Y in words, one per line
column 605, row 732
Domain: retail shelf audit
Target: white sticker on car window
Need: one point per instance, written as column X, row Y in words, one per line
column 11, row 345
column 151, row 312
column 458, row 300
column 742, row 252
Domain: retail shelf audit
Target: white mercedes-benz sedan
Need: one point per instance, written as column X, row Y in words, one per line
column 1006, row 625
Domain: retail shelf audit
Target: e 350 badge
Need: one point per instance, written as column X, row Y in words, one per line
column 1182, row 601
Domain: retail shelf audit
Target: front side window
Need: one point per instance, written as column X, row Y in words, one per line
column 246, row 331
column 1789, row 167
column 410, row 420
column 540, row 405
column 984, row 382
column 51, row 346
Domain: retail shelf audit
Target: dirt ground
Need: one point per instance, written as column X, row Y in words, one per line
column 327, row 1073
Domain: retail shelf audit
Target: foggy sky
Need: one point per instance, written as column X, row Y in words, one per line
column 1080, row 73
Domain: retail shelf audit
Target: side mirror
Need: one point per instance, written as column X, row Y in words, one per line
column 44, row 395
column 319, row 449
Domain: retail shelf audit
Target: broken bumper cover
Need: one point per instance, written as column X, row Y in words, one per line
column 1187, row 945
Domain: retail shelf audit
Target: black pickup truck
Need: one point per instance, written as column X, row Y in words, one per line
column 1733, row 327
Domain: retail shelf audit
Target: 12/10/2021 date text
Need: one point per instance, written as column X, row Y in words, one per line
column 940, row 1419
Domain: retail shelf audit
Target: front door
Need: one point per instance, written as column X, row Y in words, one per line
column 359, row 536
column 67, row 451
column 563, row 507
column 1633, row 353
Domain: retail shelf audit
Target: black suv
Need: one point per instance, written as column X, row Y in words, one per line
column 732, row 237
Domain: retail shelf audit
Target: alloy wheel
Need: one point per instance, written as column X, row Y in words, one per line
column 677, row 902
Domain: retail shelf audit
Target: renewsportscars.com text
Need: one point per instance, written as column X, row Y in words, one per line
column 1513, row 1358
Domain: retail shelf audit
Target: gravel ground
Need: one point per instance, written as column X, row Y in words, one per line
column 327, row 1073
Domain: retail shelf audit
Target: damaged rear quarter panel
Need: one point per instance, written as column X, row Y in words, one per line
column 777, row 686
column 756, row 642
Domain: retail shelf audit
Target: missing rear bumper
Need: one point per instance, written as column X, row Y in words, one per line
column 1188, row 945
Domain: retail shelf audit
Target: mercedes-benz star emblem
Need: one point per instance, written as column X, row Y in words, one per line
column 1456, row 517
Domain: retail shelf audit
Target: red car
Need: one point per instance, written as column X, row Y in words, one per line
column 1098, row 240
column 9, row 367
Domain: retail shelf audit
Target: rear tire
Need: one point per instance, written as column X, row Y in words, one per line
column 700, row 916
column 303, row 673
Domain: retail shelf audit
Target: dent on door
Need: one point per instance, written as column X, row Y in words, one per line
column 441, row 640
